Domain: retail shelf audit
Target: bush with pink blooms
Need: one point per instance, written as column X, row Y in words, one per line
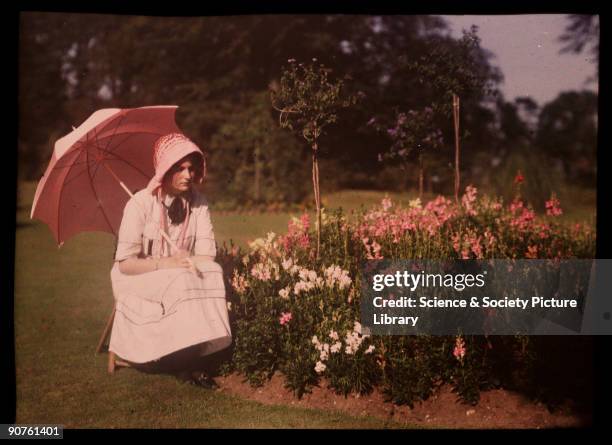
column 300, row 316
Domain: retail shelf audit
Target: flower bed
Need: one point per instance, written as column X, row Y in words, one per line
column 293, row 313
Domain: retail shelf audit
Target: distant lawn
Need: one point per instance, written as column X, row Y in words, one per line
column 579, row 205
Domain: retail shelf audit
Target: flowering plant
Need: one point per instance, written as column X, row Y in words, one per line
column 298, row 315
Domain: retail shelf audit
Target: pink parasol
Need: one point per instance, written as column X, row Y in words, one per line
column 95, row 168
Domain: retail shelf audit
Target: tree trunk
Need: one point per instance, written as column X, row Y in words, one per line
column 257, row 174
column 456, row 122
column 421, row 176
column 315, row 184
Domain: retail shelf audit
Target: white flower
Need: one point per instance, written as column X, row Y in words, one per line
column 335, row 347
column 320, row 367
column 229, row 305
column 239, row 282
column 284, row 293
column 266, row 247
column 357, row 327
column 333, row 335
column 287, row 264
column 261, row 271
column 256, row 244
column 335, row 275
column 315, row 340
column 386, row 204
column 324, row 355
column 370, row 349
column 353, row 341
column 324, row 218
column 415, row 203
column 302, row 286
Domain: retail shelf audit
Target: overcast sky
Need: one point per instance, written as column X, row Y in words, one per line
column 527, row 51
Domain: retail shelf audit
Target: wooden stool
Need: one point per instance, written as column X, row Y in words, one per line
column 113, row 360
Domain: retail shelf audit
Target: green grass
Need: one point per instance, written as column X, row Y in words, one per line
column 63, row 298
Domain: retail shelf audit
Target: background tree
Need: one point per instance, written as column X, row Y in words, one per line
column 212, row 66
column 454, row 71
column 567, row 132
column 252, row 158
column 413, row 134
column 582, row 32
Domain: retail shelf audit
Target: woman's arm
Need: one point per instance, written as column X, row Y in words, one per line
column 197, row 258
column 136, row 266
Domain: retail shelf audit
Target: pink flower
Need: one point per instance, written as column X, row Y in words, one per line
column 522, row 217
column 285, row 318
column 476, row 247
column 297, row 234
column 469, row 199
column 490, row 239
column 459, row 351
column 553, row 207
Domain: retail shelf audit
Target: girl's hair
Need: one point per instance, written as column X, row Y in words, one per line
column 199, row 165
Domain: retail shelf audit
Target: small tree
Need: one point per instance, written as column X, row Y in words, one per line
column 411, row 133
column 456, row 71
column 308, row 101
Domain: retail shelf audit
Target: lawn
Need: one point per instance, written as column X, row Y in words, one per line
column 63, row 298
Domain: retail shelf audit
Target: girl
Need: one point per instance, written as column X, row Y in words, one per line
column 169, row 303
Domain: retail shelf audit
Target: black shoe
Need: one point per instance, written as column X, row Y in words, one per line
column 203, row 380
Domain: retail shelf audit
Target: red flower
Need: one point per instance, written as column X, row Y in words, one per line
column 519, row 178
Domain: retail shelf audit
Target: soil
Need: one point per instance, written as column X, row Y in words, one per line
column 497, row 408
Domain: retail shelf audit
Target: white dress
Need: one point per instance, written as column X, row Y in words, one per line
column 161, row 312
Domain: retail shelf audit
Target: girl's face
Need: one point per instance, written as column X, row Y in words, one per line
column 180, row 177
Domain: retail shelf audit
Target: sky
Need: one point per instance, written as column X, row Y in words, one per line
column 527, row 52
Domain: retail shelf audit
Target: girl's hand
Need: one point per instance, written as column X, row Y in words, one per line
column 182, row 253
column 179, row 260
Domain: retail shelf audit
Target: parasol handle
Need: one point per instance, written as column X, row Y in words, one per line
column 161, row 231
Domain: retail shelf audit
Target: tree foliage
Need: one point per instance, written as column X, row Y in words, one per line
column 213, row 67
column 567, row 131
